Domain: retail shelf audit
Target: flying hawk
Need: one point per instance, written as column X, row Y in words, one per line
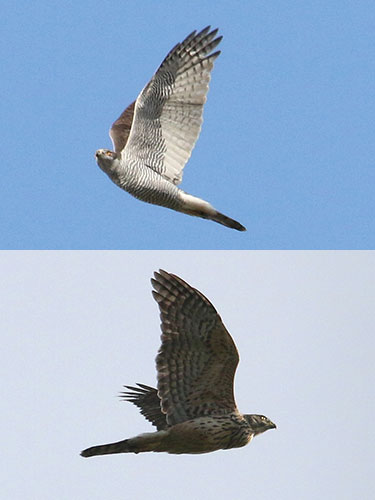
column 154, row 137
column 193, row 408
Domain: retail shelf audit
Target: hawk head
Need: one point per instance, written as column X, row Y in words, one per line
column 259, row 423
column 106, row 160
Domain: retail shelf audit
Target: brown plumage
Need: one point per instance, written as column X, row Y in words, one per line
column 120, row 129
column 193, row 407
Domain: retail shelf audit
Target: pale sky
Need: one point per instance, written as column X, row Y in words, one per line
column 76, row 326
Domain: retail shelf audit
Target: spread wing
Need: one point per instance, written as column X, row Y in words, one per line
column 197, row 359
column 168, row 112
column 148, row 401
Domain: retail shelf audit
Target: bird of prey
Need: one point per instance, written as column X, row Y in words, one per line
column 154, row 137
column 193, row 408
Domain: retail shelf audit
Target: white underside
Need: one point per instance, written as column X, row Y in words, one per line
column 197, row 204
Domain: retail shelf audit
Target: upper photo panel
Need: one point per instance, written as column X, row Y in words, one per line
column 233, row 126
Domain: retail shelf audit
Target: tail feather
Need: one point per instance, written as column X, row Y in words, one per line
column 201, row 208
column 107, row 449
column 149, row 441
column 227, row 221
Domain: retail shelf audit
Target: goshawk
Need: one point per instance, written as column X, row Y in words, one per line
column 193, row 408
column 154, row 137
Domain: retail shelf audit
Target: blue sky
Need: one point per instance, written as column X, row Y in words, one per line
column 287, row 146
column 77, row 326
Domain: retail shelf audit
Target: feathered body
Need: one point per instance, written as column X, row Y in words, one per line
column 193, row 408
column 154, row 137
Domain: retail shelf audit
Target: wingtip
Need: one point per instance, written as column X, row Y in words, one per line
column 204, row 30
column 158, row 278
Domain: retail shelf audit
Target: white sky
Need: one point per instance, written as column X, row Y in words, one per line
column 76, row 326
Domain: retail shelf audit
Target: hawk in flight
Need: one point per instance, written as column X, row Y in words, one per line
column 155, row 135
column 193, row 407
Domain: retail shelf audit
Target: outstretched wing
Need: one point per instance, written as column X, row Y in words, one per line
column 168, row 112
column 197, row 360
column 147, row 399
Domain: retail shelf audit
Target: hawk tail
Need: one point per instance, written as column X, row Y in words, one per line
column 227, row 221
column 107, row 449
column 149, row 441
column 200, row 208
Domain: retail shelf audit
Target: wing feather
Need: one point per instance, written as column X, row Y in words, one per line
column 197, row 359
column 120, row 129
column 168, row 112
column 147, row 400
